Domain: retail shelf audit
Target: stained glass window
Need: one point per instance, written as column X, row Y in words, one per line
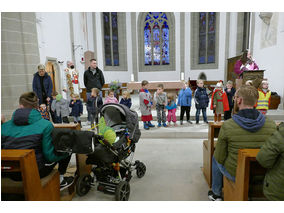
column 111, row 38
column 156, row 39
column 207, row 31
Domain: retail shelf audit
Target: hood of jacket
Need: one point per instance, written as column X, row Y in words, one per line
column 249, row 119
column 25, row 116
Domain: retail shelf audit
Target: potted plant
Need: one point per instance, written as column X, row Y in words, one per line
column 115, row 86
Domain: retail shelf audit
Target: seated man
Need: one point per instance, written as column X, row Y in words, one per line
column 271, row 156
column 248, row 129
column 28, row 130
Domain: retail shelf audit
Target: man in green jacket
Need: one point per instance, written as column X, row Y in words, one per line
column 28, row 130
column 271, row 156
column 248, row 129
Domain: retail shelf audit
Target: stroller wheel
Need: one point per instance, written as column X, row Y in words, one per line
column 122, row 191
column 140, row 169
column 83, row 185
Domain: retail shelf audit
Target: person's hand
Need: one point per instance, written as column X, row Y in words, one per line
column 165, row 110
column 72, row 102
column 214, row 106
column 48, row 98
column 66, row 69
column 64, row 90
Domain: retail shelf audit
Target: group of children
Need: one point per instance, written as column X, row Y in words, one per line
column 222, row 102
column 59, row 107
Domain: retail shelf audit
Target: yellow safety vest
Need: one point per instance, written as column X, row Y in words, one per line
column 263, row 100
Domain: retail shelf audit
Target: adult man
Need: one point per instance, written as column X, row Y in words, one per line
column 271, row 156
column 93, row 78
column 42, row 85
column 71, row 80
column 28, row 130
column 248, row 129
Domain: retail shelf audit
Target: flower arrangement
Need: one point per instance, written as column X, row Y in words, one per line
column 115, row 85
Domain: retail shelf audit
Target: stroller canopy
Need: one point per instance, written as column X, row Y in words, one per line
column 121, row 115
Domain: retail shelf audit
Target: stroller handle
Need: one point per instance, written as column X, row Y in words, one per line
column 99, row 137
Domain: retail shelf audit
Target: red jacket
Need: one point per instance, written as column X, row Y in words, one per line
column 225, row 100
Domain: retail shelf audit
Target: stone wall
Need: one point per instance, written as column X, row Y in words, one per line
column 19, row 57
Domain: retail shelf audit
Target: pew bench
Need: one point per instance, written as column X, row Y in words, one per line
column 247, row 169
column 32, row 187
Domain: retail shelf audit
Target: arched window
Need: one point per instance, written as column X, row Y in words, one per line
column 204, row 40
column 157, row 41
column 114, row 38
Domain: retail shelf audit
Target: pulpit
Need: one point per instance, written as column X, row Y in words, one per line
column 254, row 75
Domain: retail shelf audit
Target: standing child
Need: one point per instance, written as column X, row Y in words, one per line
column 264, row 96
column 160, row 98
column 219, row 102
column 184, row 101
column 230, row 92
column 77, row 108
column 201, row 101
column 44, row 112
column 146, row 102
column 93, row 105
column 55, row 118
column 172, row 108
column 126, row 100
column 61, row 107
column 111, row 98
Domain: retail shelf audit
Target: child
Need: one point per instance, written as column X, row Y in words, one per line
column 44, row 112
column 172, row 108
column 77, row 108
column 201, row 101
column 126, row 100
column 264, row 96
column 146, row 102
column 55, row 118
column 184, row 100
column 219, row 102
column 61, row 107
column 111, row 98
column 93, row 105
column 230, row 92
column 160, row 98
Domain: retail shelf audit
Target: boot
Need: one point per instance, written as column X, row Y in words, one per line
column 215, row 117
column 146, row 126
column 150, row 125
column 80, row 124
column 219, row 118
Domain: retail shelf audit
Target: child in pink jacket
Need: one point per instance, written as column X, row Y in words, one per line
column 110, row 98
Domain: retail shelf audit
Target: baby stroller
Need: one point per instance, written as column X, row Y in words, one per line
column 112, row 163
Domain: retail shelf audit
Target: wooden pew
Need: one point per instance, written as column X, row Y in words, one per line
column 247, row 166
column 33, row 188
column 81, row 166
column 208, row 150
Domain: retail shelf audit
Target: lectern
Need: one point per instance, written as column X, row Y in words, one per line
column 253, row 75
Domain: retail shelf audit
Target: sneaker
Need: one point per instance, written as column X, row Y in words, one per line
column 159, row 125
column 165, row 125
column 213, row 197
column 175, row 124
column 146, row 126
column 206, row 122
column 67, row 181
column 197, row 122
column 189, row 122
column 150, row 125
column 181, row 122
column 75, row 122
column 169, row 124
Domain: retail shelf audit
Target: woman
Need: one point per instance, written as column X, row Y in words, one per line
column 245, row 63
column 42, row 85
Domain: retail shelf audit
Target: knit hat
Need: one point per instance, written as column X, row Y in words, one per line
column 58, row 97
column 29, row 100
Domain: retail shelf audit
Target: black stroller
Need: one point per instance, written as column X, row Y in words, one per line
column 112, row 164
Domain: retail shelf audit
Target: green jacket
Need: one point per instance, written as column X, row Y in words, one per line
column 271, row 156
column 28, row 130
column 233, row 137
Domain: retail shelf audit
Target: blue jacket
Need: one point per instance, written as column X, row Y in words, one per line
column 91, row 104
column 28, row 130
column 77, row 108
column 171, row 105
column 184, row 97
column 201, row 98
column 126, row 102
column 47, row 83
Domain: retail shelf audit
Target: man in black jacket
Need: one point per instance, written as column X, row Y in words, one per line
column 93, row 78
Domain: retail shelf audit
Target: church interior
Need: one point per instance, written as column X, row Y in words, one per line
column 172, row 163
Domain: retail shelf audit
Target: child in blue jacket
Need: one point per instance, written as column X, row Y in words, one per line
column 126, row 100
column 184, row 101
column 77, row 108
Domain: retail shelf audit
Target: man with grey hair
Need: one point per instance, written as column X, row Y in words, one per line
column 71, row 80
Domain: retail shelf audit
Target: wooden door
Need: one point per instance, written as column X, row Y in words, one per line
column 51, row 72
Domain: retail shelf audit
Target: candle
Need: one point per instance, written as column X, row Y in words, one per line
column 132, row 77
column 182, row 76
